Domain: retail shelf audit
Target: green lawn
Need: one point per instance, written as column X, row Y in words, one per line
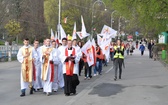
column 1, row 43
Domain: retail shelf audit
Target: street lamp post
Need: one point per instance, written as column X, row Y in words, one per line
column 119, row 25
column 59, row 19
column 112, row 18
column 98, row 1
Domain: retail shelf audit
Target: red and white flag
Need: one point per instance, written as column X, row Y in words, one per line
column 99, row 40
column 52, row 35
column 88, row 51
column 105, row 46
column 74, row 32
column 94, row 51
column 108, row 31
column 56, row 39
column 83, row 32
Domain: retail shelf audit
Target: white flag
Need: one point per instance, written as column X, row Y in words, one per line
column 88, row 51
column 74, row 32
column 83, row 32
column 52, row 35
column 56, row 39
column 94, row 50
column 108, row 31
column 99, row 40
column 105, row 46
column 63, row 34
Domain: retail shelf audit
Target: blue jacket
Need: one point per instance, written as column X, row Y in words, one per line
column 142, row 47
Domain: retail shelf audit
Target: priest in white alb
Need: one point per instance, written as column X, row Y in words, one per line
column 60, row 65
column 47, row 67
column 24, row 56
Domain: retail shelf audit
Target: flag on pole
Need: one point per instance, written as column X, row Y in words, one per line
column 56, row 39
column 63, row 34
column 83, row 32
column 87, row 50
column 74, row 32
column 94, row 51
column 108, row 31
column 105, row 46
column 99, row 40
column 52, row 35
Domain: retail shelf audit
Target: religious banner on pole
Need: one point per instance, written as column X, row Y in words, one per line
column 105, row 46
column 52, row 35
column 63, row 34
column 108, row 31
column 87, row 50
column 83, row 32
column 74, row 32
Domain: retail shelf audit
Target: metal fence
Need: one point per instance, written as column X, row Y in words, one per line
column 8, row 53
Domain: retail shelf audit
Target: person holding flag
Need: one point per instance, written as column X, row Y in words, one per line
column 99, row 59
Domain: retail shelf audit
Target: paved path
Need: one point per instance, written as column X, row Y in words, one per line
column 144, row 82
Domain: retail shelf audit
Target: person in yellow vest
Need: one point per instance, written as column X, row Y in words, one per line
column 118, row 58
column 24, row 56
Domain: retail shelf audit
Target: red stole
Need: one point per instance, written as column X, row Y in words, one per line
column 69, row 67
column 34, row 72
column 52, row 71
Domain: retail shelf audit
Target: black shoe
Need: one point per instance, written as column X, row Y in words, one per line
column 115, row 78
column 31, row 90
column 22, row 95
column 67, row 94
column 119, row 77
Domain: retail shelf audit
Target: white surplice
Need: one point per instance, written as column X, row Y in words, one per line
column 79, row 55
column 57, row 72
column 60, row 67
column 36, row 56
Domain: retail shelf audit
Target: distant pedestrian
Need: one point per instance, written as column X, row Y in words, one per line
column 155, row 50
column 127, row 48
column 132, row 48
column 142, row 49
column 150, row 44
column 137, row 44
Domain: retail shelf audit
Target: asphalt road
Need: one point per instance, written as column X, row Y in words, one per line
column 144, row 82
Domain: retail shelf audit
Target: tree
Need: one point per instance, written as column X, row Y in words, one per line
column 13, row 28
column 149, row 16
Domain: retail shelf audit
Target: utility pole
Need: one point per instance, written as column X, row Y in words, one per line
column 17, row 15
column 59, row 19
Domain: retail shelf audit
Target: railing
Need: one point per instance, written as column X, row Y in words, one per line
column 8, row 53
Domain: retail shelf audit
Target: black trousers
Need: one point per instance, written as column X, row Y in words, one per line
column 88, row 70
column 81, row 63
column 70, row 83
column 118, row 64
column 142, row 52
